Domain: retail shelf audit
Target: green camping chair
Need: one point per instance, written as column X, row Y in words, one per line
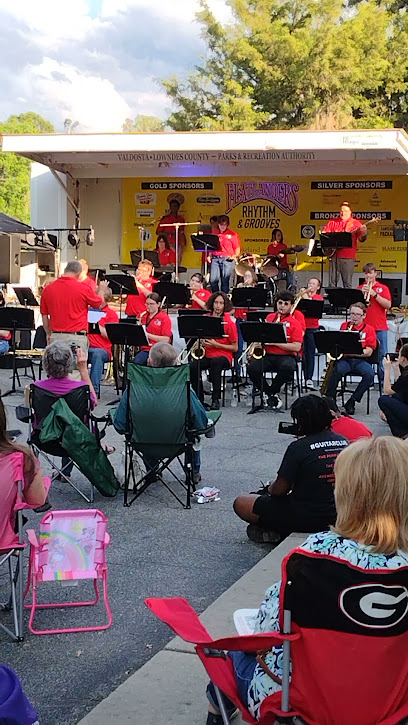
column 159, row 428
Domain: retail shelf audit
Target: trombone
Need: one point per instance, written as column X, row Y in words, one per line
column 196, row 351
column 255, row 350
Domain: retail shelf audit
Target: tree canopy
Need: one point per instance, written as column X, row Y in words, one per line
column 317, row 64
column 143, row 124
column 15, row 170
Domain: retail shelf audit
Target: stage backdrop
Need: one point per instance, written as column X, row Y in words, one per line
column 256, row 206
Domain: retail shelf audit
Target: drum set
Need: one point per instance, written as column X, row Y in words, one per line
column 271, row 275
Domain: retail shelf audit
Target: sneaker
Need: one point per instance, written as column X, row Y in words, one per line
column 275, row 402
column 261, row 536
column 350, row 407
column 197, row 478
column 310, row 385
column 213, row 719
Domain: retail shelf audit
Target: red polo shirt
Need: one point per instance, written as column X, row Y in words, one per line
column 202, row 294
column 368, row 337
column 96, row 340
column 376, row 315
column 350, row 428
column 275, row 250
column 294, row 333
column 170, row 231
column 313, row 322
column 90, row 282
column 229, row 242
column 167, row 256
column 136, row 304
column 230, row 330
column 66, row 301
column 340, row 225
column 159, row 324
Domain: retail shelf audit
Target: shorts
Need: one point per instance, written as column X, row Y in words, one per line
column 277, row 513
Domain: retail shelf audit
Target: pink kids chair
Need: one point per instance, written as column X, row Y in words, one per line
column 72, row 546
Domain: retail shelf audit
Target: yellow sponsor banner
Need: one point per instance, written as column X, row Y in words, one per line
column 300, row 207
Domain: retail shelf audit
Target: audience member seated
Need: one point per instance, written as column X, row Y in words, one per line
column 163, row 355
column 346, row 426
column 157, row 325
column 356, row 365
column 301, row 498
column 394, row 402
column 100, row 347
column 371, row 532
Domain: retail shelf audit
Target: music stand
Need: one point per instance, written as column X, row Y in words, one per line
column 173, row 293
column 336, row 241
column 121, row 333
column 13, row 319
column 152, row 255
column 196, row 327
column 344, row 297
column 191, row 311
column 338, row 342
column 121, row 284
column 258, row 315
column 203, row 243
column 94, row 317
column 263, row 333
column 311, row 308
column 25, row 296
column 247, row 297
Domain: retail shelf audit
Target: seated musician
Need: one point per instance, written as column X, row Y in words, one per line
column 394, row 402
column 100, row 347
column 355, row 364
column 166, row 254
column 199, row 294
column 250, row 280
column 275, row 250
column 312, row 325
column 157, row 325
column 219, row 353
column 136, row 304
column 279, row 358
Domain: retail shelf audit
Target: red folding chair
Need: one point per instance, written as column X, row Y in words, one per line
column 345, row 660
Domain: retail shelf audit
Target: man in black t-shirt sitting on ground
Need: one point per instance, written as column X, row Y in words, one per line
column 302, row 496
column 394, row 404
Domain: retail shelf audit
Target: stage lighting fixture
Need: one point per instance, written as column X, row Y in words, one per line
column 73, row 238
column 90, row 236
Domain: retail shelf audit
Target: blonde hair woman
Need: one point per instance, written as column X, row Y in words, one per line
column 371, row 532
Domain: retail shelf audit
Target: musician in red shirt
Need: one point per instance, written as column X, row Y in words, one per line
column 157, row 325
column 279, row 358
column 223, row 261
column 240, row 313
column 100, row 347
column 199, row 295
column 219, row 353
column 275, row 249
column 356, row 365
column 380, row 301
column 85, row 278
column 136, row 304
column 166, row 254
column 173, row 217
column 312, row 292
column 342, row 261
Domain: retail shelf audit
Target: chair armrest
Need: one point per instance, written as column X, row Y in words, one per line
column 23, row 413
column 107, row 538
column 32, row 538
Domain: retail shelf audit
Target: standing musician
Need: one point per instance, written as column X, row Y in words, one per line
column 275, row 250
column 279, row 358
column 219, row 353
column 166, row 254
column 343, row 260
column 223, row 262
column 157, row 325
column 199, row 294
column 100, row 347
column 378, row 298
column 173, row 217
column 312, row 325
column 136, row 304
column 355, row 364
column 85, row 278
column 250, row 280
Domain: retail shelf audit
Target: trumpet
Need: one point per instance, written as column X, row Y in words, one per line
column 196, row 351
column 367, row 296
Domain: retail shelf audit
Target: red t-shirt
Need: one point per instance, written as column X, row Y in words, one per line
column 167, row 256
column 275, row 249
column 202, row 294
column 66, row 301
column 313, row 322
column 136, row 304
column 299, row 316
column 159, row 324
column 340, row 225
column 97, row 340
column 230, row 330
column 294, row 333
column 376, row 315
column 368, row 338
column 170, row 231
column 229, row 242
column 90, row 282
column 350, row 428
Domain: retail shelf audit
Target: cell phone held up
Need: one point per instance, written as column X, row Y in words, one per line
column 289, row 428
column 393, row 356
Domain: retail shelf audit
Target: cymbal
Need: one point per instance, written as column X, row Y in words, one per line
column 243, row 267
column 296, row 249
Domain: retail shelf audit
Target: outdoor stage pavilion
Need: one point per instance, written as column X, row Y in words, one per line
column 121, row 184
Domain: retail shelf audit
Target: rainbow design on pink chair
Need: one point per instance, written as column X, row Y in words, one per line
column 72, row 546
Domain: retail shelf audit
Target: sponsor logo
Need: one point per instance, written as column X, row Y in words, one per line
column 280, row 193
column 308, row 231
column 145, row 199
column 208, row 200
column 145, row 235
column 145, row 213
column 376, row 606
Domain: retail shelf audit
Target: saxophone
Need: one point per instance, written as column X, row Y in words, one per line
column 329, row 369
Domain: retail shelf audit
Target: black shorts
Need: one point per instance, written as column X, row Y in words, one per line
column 277, row 513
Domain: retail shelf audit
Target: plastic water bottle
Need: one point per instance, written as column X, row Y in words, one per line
column 234, row 399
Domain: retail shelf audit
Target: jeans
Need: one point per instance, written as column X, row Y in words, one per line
column 309, row 352
column 141, row 357
column 4, row 346
column 382, row 338
column 396, row 413
column 244, row 667
column 97, row 356
column 221, row 270
column 344, row 268
column 283, row 365
column 355, row 366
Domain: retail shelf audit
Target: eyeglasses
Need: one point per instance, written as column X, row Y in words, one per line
column 357, row 314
